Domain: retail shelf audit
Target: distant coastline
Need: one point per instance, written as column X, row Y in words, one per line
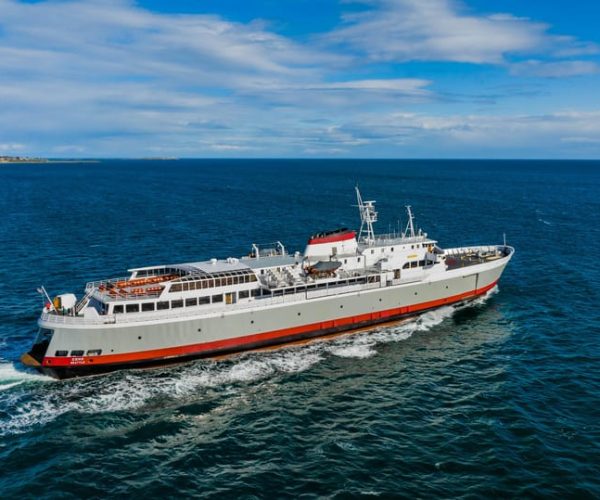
column 27, row 159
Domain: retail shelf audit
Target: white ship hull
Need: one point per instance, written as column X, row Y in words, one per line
column 154, row 339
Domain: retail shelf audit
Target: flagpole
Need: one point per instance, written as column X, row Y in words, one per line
column 43, row 291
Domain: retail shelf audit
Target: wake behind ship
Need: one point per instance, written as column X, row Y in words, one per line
column 178, row 312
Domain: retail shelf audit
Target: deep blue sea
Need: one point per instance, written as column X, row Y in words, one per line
column 497, row 399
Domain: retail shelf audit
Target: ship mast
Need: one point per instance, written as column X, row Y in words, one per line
column 368, row 216
column 410, row 228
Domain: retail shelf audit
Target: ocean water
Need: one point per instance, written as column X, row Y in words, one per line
column 498, row 398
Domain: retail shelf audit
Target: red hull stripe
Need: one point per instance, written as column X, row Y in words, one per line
column 332, row 239
column 239, row 342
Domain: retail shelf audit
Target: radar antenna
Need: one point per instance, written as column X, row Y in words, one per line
column 368, row 216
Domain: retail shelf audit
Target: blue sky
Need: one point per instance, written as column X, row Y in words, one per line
column 300, row 78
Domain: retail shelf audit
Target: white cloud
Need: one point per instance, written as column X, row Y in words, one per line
column 113, row 78
column 444, row 30
column 11, row 147
column 554, row 69
column 109, row 78
column 481, row 135
column 230, row 147
column 582, row 140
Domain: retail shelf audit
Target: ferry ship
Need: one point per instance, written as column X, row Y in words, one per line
column 344, row 280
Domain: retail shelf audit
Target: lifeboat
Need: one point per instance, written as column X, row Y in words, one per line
column 324, row 268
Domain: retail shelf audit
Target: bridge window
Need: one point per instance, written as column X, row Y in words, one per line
column 94, row 352
column 177, row 287
column 76, row 353
column 61, row 353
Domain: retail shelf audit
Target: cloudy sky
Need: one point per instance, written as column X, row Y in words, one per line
column 300, row 78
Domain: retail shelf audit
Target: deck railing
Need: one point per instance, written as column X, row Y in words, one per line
column 470, row 250
column 97, row 284
column 102, row 290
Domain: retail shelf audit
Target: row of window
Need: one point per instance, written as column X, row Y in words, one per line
column 212, row 283
column 178, row 303
column 160, row 271
column 420, row 263
column 412, row 247
column 91, row 352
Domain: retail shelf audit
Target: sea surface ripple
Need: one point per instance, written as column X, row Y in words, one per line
column 497, row 398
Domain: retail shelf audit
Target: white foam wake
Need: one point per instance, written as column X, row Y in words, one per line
column 11, row 377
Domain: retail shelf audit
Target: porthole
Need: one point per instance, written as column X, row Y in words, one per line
column 140, row 337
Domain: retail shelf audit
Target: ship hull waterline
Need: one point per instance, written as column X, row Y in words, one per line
column 254, row 342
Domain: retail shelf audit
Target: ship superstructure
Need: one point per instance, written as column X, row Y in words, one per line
column 342, row 281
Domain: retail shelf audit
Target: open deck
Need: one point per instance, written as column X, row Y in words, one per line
column 470, row 256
